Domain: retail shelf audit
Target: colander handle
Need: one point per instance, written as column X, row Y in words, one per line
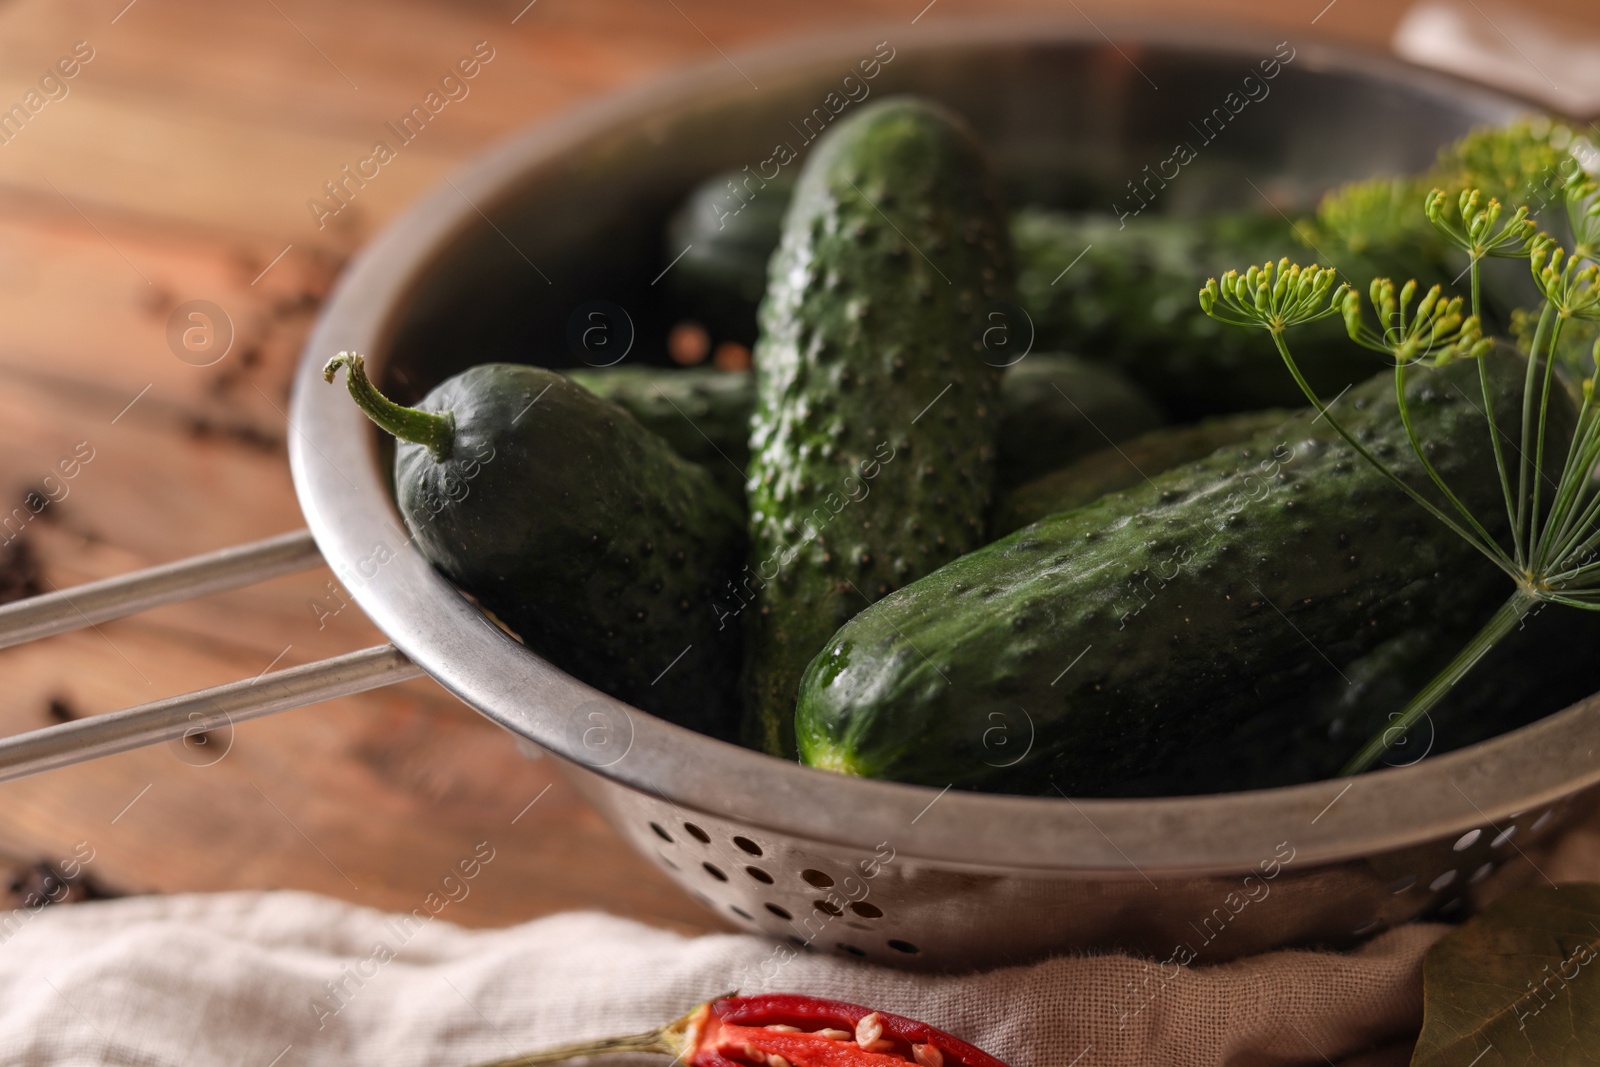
column 128, row 594
column 204, row 710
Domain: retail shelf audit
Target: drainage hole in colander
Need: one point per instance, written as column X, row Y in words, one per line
column 759, row 875
column 1467, row 840
column 697, row 833
column 904, row 946
column 1400, row 885
column 866, row 911
column 851, row 949
column 1542, row 821
column 667, row 860
column 1503, row 836
column 741, row 912
column 780, row 912
column 827, row 906
column 818, row 879
column 1443, row 881
column 1481, row 873
column 661, row 833
column 1450, row 907
column 795, row 939
column 748, row 845
column 715, row 872
column 1366, row 928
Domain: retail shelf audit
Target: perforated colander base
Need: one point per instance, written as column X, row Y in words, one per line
column 913, row 912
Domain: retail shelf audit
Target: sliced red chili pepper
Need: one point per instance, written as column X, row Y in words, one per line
column 785, row 1030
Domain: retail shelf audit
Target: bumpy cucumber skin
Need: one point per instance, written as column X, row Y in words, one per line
column 1055, row 408
column 1129, row 301
column 1125, row 465
column 1109, row 639
column 702, row 412
column 1543, row 667
column 586, row 534
column 871, row 384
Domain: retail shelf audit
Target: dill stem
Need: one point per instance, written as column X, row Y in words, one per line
column 1505, row 619
column 1538, row 456
column 1523, row 472
column 1571, row 516
column 1498, row 447
column 1491, row 550
column 1404, row 407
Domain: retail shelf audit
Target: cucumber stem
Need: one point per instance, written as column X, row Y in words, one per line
column 435, row 431
column 1505, row 619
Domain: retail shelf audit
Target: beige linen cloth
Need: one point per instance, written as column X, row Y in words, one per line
column 287, row 979
column 243, row 979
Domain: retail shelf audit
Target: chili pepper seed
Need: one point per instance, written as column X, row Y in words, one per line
column 869, row 1029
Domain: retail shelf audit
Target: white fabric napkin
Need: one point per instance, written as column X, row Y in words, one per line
column 289, row 979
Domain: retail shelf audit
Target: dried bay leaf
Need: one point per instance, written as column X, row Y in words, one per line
column 1518, row 984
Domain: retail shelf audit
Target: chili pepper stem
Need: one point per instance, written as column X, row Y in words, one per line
column 1505, row 619
column 635, row 1043
column 677, row 1039
column 434, row 431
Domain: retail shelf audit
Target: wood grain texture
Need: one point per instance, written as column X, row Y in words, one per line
column 178, row 167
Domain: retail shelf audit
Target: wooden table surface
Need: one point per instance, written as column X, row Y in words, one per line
column 177, row 167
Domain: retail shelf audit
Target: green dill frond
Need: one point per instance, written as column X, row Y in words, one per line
column 1376, row 213
column 1526, row 164
column 1272, row 297
column 1473, row 229
column 1432, row 331
column 1583, row 218
column 1459, row 207
column 1569, row 283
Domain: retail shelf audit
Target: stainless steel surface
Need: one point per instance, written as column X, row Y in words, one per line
column 203, row 712
column 973, row 879
column 129, row 594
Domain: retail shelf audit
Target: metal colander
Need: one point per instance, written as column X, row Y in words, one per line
column 493, row 265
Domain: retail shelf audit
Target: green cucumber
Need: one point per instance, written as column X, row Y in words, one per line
column 1098, row 305
column 872, row 446
column 1123, row 293
column 578, row 528
column 1540, row 669
column 1054, row 408
column 702, row 412
column 719, row 241
column 1121, row 634
column 1125, row 465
